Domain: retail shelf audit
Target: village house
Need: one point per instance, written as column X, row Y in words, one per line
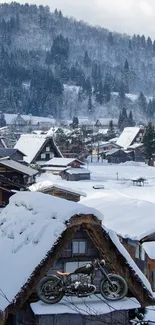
column 51, row 234
column 37, row 148
column 102, row 147
column 136, row 152
column 17, row 172
column 71, row 169
column 58, row 165
column 116, row 156
column 14, row 177
column 130, row 136
column 12, row 153
column 58, row 190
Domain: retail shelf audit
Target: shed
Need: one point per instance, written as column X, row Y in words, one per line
column 63, row 192
column 76, row 174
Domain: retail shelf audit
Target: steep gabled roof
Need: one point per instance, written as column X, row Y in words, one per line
column 31, row 144
column 127, row 136
column 7, row 162
column 35, row 228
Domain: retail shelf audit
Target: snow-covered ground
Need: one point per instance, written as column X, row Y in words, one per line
column 129, row 210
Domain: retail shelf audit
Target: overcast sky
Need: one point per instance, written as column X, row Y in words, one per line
column 127, row 16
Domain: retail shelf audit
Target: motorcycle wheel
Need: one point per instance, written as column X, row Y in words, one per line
column 45, row 291
column 119, row 289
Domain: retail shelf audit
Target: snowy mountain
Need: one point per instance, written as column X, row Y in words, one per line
column 54, row 65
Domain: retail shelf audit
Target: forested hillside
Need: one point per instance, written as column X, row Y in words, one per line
column 53, row 65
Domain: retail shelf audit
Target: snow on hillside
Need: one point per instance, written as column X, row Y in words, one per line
column 34, row 119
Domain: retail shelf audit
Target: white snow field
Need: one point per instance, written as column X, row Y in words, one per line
column 128, row 210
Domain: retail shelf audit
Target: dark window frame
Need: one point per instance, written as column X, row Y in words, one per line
column 79, row 241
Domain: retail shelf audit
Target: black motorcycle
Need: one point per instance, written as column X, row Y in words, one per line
column 80, row 283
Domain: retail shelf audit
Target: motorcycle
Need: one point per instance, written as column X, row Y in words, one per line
column 80, row 283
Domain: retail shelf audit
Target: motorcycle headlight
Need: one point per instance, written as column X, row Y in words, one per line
column 102, row 262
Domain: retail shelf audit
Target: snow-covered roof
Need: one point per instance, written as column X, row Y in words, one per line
column 52, row 169
column 30, row 144
column 29, row 226
column 127, row 136
column 45, row 185
column 18, row 166
column 135, row 145
column 112, row 151
column 62, row 161
column 93, row 305
column 129, row 217
column 34, row 119
column 77, row 171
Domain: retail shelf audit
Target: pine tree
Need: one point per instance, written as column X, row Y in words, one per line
column 123, row 119
column 110, row 39
column 100, row 93
column 130, row 120
column 2, row 119
column 126, row 77
column 75, row 122
column 111, row 131
column 90, row 106
column 86, row 60
column 150, row 109
column 87, row 88
column 122, row 91
column 143, row 41
column 149, row 141
column 149, row 43
column 154, row 47
column 107, row 90
column 142, row 102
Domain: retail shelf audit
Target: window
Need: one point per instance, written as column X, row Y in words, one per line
column 48, row 149
column 137, row 255
column 51, row 155
column 78, row 247
column 43, row 155
column 140, row 253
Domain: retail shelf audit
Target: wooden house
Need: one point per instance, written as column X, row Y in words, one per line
column 12, row 153
column 63, row 192
column 76, row 236
column 136, row 152
column 130, row 136
column 8, row 187
column 58, row 165
column 75, row 174
column 37, row 148
column 116, row 156
column 17, row 172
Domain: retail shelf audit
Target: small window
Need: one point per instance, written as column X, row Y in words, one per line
column 142, row 253
column 43, row 155
column 137, row 255
column 47, row 149
column 51, row 155
column 78, row 247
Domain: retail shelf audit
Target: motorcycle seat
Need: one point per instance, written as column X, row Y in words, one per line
column 62, row 273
